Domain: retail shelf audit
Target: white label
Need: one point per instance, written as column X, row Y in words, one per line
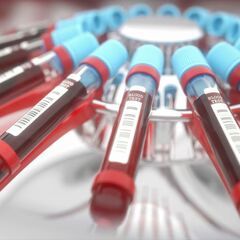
column 37, row 111
column 5, row 51
column 10, row 74
column 77, row 75
column 229, row 126
column 211, row 90
column 123, row 141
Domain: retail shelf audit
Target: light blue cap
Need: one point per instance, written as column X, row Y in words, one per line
column 237, row 44
column 113, row 54
column 61, row 35
column 64, row 23
column 169, row 10
column 80, row 47
column 140, row 9
column 186, row 58
column 91, row 21
column 113, row 16
column 218, row 24
column 223, row 58
column 233, row 31
column 198, row 14
column 148, row 55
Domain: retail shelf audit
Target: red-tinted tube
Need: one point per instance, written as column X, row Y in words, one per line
column 115, row 179
column 81, row 113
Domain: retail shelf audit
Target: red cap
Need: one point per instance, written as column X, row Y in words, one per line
column 145, row 69
column 194, row 72
column 117, row 179
column 236, row 196
column 99, row 66
column 47, row 39
column 65, row 59
column 9, row 156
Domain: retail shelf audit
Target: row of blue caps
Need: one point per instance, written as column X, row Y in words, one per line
column 110, row 18
column 222, row 58
column 97, row 21
column 218, row 24
column 112, row 53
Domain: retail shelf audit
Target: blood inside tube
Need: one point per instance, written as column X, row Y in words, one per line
column 4, row 171
column 128, row 132
column 12, row 56
column 29, row 130
column 21, row 36
column 18, row 80
column 223, row 133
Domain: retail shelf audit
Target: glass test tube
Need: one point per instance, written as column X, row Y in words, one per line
column 115, row 178
column 56, row 63
column 17, row 54
column 30, row 129
column 22, row 35
column 220, row 126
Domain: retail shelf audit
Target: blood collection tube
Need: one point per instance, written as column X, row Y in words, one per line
column 113, row 187
column 221, row 128
column 17, row 54
column 169, row 10
column 55, row 64
column 22, row 35
column 21, row 139
column 139, row 10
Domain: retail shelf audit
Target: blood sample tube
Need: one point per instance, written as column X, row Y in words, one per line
column 20, row 139
column 59, row 62
column 22, row 35
column 15, row 55
column 139, row 10
column 169, row 10
column 113, row 188
column 221, row 128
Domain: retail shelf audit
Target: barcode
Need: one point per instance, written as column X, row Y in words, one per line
column 36, row 111
column 229, row 126
column 125, row 133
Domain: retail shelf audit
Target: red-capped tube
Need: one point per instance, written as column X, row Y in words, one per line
column 26, row 134
column 115, row 181
column 222, row 141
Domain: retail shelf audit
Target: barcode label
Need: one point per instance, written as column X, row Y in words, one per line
column 37, row 111
column 10, row 74
column 229, row 126
column 122, row 144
